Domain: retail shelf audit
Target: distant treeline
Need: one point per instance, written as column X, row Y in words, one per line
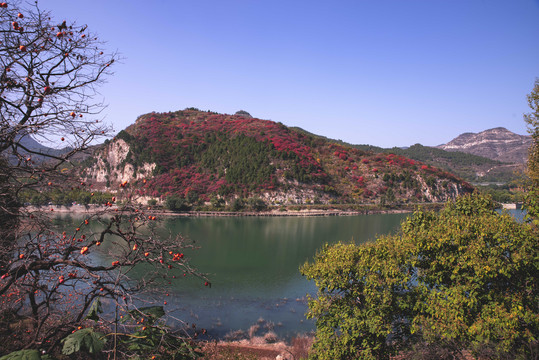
column 63, row 197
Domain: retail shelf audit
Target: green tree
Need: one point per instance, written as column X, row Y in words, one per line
column 177, row 203
column 462, row 278
column 532, row 119
column 217, row 202
column 237, row 204
column 257, row 204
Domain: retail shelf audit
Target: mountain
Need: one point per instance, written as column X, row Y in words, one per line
column 497, row 144
column 472, row 168
column 204, row 155
column 28, row 146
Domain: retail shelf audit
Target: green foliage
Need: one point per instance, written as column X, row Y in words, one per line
column 125, row 136
column 151, row 312
column 532, row 119
column 95, row 310
column 532, row 207
column 147, row 336
column 245, row 160
column 462, row 278
column 429, row 154
column 217, row 202
column 388, row 198
column 151, row 337
column 86, row 340
column 257, row 204
column 502, row 193
column 177, row 203
column 63, row 197
column 237, row 204
column 145, row 340
column 26, row 355
column 192, row 197
column 459, row 163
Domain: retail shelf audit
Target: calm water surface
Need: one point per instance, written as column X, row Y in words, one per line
column 253, row 264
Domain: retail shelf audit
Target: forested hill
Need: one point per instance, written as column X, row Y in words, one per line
column 202, row 155
column 468, row 166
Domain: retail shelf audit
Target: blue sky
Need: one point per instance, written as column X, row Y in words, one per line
column 384, row 72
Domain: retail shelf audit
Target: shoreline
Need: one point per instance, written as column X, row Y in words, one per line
column 277, row 212
column 93, row 209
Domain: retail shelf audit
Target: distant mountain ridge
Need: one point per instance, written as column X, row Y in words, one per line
column 37, row 152
column 497, row 144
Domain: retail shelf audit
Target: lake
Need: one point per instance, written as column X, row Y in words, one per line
column 253, row 264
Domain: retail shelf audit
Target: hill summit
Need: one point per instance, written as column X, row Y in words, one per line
column 497, row 144
column 203, row 156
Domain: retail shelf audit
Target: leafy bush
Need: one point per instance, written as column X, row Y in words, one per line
column 217, row 202
column 176, row 203
column 532, row 119
column 463, row 278
column 257, row 204
column 86, row 340
column 237, row 204
column 25, row 355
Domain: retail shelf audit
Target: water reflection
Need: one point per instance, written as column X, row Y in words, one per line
column 253, row 263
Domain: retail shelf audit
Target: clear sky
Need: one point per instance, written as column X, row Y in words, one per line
column 380, row 72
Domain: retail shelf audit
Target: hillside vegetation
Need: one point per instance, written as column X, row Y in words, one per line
column 467, row 166
column 470, row 167
column 204, row 155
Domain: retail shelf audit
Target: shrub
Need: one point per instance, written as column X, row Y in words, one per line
column 237, row 204
column 257, row 204
column 463, row 278
column 176, row 203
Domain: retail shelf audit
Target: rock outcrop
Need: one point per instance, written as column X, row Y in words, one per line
column 497, row 144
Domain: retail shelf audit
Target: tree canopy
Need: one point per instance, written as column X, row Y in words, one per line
column 532, row 119
column 464, row 278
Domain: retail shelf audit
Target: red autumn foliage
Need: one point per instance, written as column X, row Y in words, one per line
column 178, row 141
